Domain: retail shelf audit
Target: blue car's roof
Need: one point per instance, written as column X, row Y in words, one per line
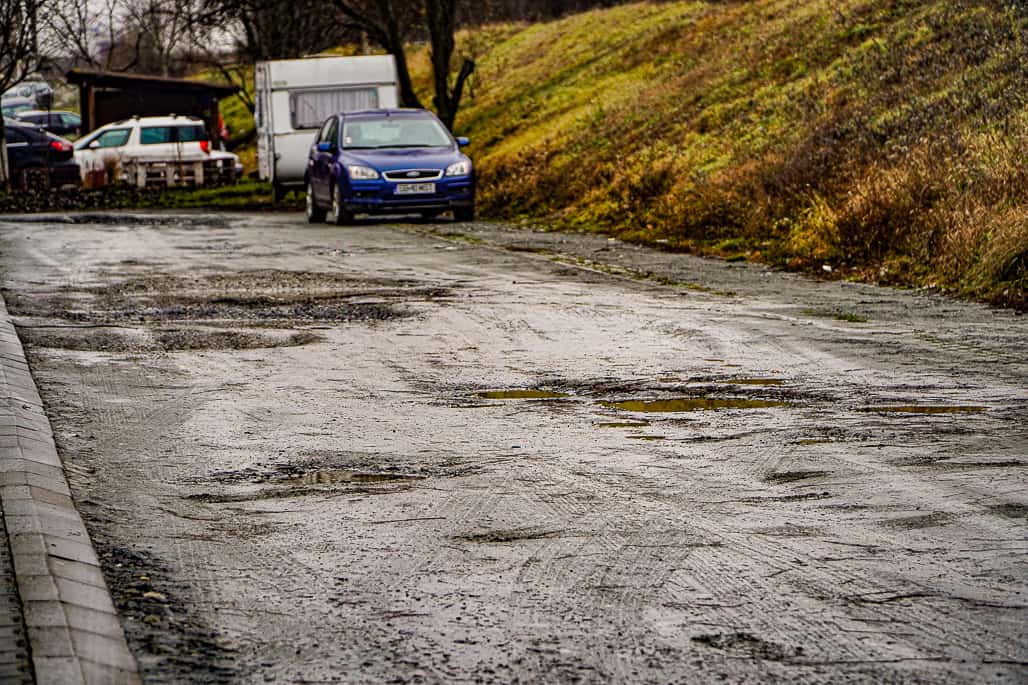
column 379, row 113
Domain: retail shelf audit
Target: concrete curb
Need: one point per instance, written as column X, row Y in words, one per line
column 74, row 633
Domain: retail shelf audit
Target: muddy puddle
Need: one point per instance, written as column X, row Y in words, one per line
column 519, row 394
column 687, row 404
column 622, row 424
column 753, row 381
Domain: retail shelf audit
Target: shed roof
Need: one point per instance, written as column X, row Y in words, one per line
column 108, row 79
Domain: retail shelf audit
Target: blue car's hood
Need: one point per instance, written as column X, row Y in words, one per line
column 390, row 159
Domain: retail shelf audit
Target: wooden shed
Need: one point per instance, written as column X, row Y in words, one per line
column 106, row 97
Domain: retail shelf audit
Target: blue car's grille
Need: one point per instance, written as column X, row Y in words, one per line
column 413, row 175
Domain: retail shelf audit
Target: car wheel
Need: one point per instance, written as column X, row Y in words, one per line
column 428, row 216
column 315, row 214
column 464, row 213
column 340, row 215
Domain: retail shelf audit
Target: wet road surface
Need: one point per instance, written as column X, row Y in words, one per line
column 461, row 453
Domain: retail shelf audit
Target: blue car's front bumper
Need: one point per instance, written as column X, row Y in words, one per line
column 380, row 196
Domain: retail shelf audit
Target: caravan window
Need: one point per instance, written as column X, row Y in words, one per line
column 309, row 109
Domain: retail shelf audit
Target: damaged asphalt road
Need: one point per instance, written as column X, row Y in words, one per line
column 437, row 452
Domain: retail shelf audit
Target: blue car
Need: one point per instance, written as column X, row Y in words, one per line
column 391, row 161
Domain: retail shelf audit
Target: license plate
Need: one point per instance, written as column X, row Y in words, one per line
column 415, row 188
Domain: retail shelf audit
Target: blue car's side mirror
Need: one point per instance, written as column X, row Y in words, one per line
column 325, row 147
column 463, row 142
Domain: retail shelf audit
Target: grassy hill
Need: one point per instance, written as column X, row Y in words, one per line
column 885, row 139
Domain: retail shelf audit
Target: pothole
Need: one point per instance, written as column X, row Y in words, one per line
column 318, row 474
column 753, row 381
column 268, row 297
column 925, row 409
column 647, row 438
column 343, row 476
column 746, row 644
column 132, row 340
column 1010, row 510
column 511, row 535
column 793, row 476
column 938, row 518
column 685, row 404
column 519, row 394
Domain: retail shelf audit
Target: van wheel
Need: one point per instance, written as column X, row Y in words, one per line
column 340, row 215
column 315, row 214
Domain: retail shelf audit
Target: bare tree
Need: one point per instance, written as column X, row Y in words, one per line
column 389, row 23
column 21, row 54
column 91, row 33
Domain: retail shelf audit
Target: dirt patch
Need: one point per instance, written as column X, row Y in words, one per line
column 134, row 340
column 170, row 642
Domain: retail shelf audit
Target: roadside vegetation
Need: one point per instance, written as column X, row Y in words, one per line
column 883, row 140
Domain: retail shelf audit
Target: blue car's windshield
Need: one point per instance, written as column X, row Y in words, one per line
column 370, row 134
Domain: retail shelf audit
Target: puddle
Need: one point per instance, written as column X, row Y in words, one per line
column 519, row 394
column 622, row 424
column 753, row 381
column 341, row 476
column 683, row 404
column 648, row 438
column 925, row 409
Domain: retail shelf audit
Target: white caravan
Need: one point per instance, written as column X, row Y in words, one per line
column 295, row 96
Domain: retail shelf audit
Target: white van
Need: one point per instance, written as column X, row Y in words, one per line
column 295, row 96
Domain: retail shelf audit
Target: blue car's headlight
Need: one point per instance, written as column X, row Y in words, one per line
column 461, row 168
column 361, row 173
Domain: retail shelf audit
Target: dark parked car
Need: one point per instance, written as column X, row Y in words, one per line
column 59, row 123
column 38, row 158
column 396, row 161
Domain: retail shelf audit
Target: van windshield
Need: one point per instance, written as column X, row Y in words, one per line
column 370, row 134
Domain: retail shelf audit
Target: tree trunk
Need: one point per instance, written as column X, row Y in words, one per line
column 5, row 176
column 441, row 18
